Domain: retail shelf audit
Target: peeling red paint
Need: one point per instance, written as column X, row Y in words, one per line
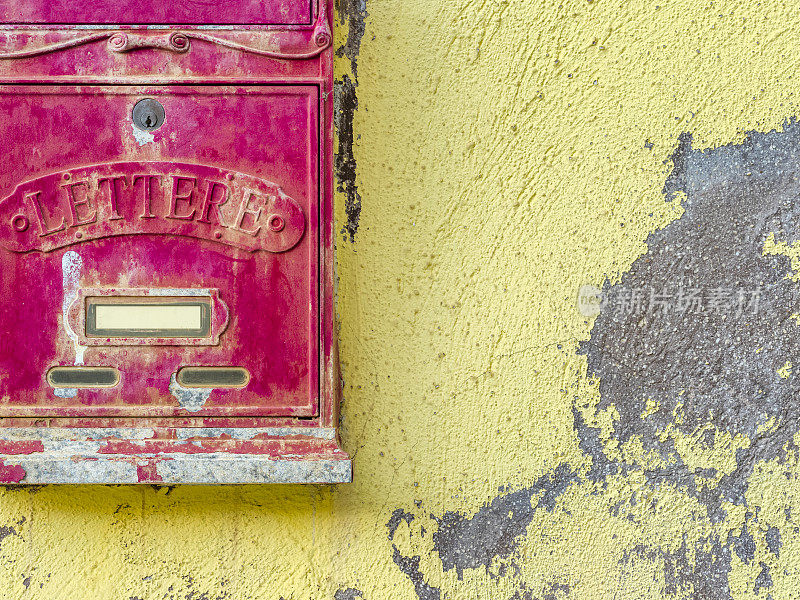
column 275, row 448
column 11, row 473
column 148, row 473
column 20, row 447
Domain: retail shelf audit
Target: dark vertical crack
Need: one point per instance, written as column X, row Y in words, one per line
column 353, row 14
column 345, row 104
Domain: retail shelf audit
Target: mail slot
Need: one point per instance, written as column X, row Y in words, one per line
column 166, row 243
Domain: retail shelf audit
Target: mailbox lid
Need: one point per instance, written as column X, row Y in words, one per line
column 66, row 145
column 158, row 12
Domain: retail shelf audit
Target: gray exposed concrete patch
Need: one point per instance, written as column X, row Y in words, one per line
column 494, row 531
column 6, row 531
column 706, row 577
column 693, row 336
column 764, row 579
column 744, row 545
column 410, row 566
column 589, row 441
column 773, row 539
column 398, row 516
column 347, row 594
column 702, row 322
column 555, row 590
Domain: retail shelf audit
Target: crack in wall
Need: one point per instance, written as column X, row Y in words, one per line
column 345, row 104
column 352, row 13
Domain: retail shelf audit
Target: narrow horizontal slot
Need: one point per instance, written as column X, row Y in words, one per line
column 213, row 377
column 148, row 317
column 83, row 377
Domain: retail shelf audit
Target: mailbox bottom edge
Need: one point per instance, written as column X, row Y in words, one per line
column 39, row 456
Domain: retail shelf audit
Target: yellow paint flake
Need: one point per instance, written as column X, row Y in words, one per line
column 650, row 407
column 786, row 370
column 768, row 425
column 780, row 248
column 707, row 448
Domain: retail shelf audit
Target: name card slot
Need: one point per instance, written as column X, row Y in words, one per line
column 148, row 317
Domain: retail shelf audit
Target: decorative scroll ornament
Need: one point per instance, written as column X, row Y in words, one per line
column 288, row 47
column 127, row 41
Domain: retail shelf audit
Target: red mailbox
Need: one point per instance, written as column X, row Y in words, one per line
column 166, row 243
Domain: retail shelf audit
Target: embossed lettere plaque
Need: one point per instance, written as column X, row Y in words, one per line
column 127, row 198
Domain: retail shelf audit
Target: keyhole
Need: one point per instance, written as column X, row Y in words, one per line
column 148, row 114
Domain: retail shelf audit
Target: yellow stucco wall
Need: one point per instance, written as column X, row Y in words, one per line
column 508, row 152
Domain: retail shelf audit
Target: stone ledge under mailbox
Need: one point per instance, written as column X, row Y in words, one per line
column 39, row 455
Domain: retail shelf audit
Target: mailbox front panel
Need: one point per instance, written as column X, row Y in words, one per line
column 167, row 243
column 182, row 262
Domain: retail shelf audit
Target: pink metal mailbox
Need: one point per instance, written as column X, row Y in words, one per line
column 166, row 243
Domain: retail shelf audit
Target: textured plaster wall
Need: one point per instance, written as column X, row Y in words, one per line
column 494, row 157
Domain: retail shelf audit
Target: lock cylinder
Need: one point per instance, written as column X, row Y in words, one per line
column 148, row 114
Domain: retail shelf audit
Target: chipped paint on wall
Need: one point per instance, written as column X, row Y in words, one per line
column 497, row 158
